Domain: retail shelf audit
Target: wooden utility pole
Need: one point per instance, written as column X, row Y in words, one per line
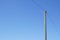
column 45, row 25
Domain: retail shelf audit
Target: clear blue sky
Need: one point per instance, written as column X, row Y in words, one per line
column 23, row 20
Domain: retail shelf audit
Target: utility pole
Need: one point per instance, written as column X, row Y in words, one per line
column 45, row 25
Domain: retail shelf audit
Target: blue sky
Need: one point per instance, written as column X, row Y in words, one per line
column 23, row 20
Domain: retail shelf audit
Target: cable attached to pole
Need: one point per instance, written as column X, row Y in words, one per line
column 37, row 5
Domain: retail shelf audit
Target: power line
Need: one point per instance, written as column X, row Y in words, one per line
column 37, row 5
column 53, row 23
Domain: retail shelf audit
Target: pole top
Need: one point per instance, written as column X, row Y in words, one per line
column 45, row 11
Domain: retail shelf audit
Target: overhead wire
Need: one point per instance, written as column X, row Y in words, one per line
column 54, row 24
column 51, row 20
column 37, row 5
